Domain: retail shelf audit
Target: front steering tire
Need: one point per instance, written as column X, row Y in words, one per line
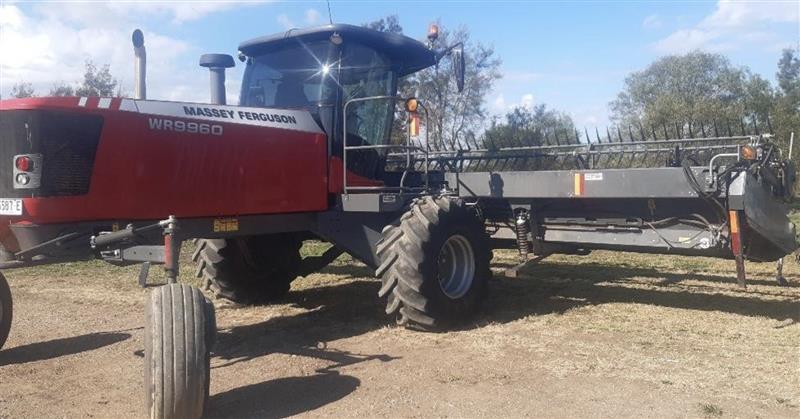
column 6, row 310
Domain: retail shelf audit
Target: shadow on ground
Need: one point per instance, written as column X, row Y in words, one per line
column 352, row 308
column 563, row 287
column 56, row 348
column 334, row 312
column 282, row 397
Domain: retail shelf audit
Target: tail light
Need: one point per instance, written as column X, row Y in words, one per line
column 27, row 171
column 24, row 163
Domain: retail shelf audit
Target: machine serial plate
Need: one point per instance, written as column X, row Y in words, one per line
column 10, row 207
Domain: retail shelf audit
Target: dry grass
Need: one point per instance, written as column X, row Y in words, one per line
column 675, row 323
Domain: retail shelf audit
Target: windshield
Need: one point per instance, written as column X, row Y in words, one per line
column 289, row 78
column 321, row 77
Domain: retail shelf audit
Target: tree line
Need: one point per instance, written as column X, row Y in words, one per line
column 676, row 96
column 97, row 81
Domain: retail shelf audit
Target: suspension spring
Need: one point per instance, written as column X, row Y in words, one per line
column 522, row 227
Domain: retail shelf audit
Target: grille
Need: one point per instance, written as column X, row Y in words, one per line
column 67, row 142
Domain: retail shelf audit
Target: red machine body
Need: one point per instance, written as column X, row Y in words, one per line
column 155, row 159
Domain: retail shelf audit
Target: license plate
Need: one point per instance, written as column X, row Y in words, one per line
column 10, row 207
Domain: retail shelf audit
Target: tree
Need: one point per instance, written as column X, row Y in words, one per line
column 390, row 24
column 786, row 116
column 97, row 82
column 789, row 74
column 22, row 90
column 62, row 89
column 534, row 126
column 693, row 90
column 455, row 119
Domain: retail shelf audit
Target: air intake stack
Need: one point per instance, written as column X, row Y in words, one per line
column 216, row 64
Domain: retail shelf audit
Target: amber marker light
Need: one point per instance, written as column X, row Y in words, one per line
column 412, row 104
column 747, row 152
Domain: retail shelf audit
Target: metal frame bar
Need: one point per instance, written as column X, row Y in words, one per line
column 408, row 147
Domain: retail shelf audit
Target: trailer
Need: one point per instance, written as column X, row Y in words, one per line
column 307, row 155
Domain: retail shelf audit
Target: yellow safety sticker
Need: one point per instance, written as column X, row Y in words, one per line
column 222, row 225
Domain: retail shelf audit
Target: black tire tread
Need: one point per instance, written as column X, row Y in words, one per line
column 7, row 314
column 403, row 250
column 222, row 266
column 178, row 339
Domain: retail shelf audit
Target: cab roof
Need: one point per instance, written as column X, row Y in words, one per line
column 407, row 54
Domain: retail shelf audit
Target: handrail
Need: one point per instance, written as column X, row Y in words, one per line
column 408, row 147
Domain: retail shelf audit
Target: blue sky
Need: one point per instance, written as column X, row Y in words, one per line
column 573, row 56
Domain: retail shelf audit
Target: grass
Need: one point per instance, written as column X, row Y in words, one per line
column 710, row 410
column 678, row 323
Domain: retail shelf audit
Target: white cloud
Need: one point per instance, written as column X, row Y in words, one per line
column 652, row 22
column 284, row 21
column 48, row 45
column 313, row 17
column 500, row 106
column 526, row 101
column 733, row 24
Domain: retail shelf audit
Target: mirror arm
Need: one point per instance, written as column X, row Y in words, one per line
column 443, row 53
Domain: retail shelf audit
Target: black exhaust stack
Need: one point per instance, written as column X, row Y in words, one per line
column 216, row 64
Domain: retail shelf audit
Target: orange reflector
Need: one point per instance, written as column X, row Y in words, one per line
column 413, row 124
column 579, row 186
column 736, row 237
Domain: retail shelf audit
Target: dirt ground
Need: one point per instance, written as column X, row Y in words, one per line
column 610, row 334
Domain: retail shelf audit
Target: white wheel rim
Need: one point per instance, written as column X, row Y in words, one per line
column 456, row 266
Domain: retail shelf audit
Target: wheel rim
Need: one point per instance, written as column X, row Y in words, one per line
column 456, row 264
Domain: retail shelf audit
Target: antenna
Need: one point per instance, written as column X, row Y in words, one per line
column 330, row 17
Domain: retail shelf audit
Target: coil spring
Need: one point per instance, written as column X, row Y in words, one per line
column 522, row 227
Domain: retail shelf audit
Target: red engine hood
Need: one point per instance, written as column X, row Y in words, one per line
column 158, row 158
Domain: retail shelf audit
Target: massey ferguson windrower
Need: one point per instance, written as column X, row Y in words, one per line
column 307, row 155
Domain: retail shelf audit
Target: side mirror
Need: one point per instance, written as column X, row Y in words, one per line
column 459, row 67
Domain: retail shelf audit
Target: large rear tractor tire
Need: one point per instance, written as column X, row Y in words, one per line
column 179, row 333
column 434, row 264
column 6, row 310
column 249, row 269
